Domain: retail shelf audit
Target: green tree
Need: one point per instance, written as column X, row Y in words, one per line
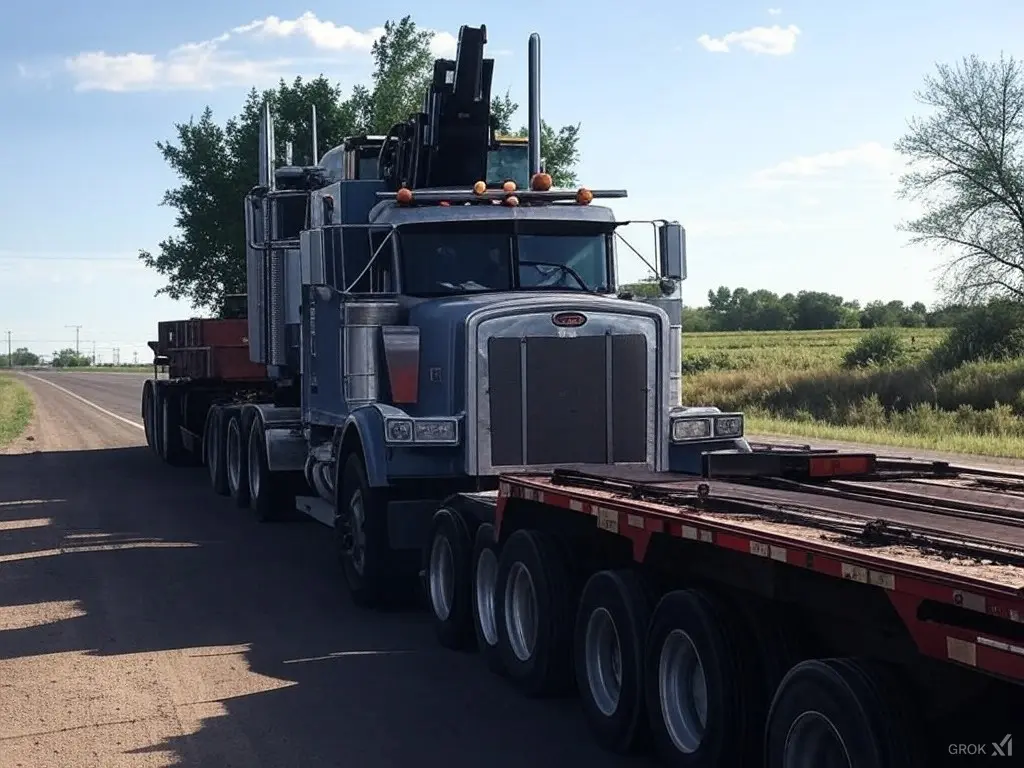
column 204, row 260
column 20, row 356
column 967, row 170
column 68, row 358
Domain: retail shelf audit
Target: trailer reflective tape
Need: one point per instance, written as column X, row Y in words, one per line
column 970, row 601
column 760, row 549
column 707, row 537
column 503, row 489
column 882, row 579
column 635, row 521
column 689, row 532
column 575, row 505
column 962, row 650
column 608, row 520
column 778, row 553
column 1001, row 646
column 854, row 573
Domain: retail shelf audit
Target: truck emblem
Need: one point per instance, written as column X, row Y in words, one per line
column 568, row 319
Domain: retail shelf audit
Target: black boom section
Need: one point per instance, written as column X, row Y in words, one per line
column 574, row 395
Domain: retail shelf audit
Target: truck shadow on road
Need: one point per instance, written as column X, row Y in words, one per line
column 236, row 638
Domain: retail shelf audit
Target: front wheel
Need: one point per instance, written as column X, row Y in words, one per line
column 361, row 535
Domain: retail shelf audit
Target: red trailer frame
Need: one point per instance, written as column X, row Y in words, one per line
column 967, row 611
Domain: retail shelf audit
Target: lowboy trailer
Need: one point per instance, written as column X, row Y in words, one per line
column 779, row 607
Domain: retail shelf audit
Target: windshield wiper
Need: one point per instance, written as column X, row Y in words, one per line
column 566, row 269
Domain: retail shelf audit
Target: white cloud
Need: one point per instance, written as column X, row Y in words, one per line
column 773, row 40
column 774, row 11
column 231, row 58
column 870, row 160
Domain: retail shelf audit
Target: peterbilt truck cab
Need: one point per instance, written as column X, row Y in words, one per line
column 431, row 326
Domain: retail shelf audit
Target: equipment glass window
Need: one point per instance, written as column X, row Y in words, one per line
column 444, row 262
column 509, row 162
column 563, row 262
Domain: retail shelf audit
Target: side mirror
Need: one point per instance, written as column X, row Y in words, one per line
column 672, row 250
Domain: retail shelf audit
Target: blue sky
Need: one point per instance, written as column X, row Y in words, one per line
column 766, row 131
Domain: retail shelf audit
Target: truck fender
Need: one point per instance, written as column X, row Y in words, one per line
column 367, row 426
column 282, row 429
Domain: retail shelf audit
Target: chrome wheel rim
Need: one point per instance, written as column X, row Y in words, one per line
column 254, row 464
column 814, row 742
column 353, row 537
column 442, row 576
column 521, row 611
column 485, row 581
column 603, row 660
column 234, row 455
column 682, row 691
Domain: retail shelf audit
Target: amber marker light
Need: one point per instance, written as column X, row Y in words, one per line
column 404, row 196
column 480, row 188
column 584, row 196
column 509, row 186
column 541, row 182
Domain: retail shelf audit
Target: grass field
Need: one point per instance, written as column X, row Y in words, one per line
column 16, row 408
column 793, row 384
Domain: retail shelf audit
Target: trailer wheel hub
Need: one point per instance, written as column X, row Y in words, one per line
column 603, row 661
column 682, row 690
column 814, row 742
column 486, row 579
column 442, row 577
column 521, row 611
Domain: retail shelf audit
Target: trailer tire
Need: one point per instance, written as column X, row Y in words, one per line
column 361, row 535
column 484, row 581
column 533, row 578
column 270, row 493
column 447, row 561
column 172, row 449
column 213, row 450
column 611, row 626
column 148, row 416
column 695, row 671
column 842, row 707
column 235, row 454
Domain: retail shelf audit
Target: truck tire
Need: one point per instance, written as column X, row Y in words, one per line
column 148, row 415
column 213, row 450
column 235, row 455
column 695, row 677
column 447, row 563
column 533, row 603
column 361, row 535
column 841, row 712
column 484, row 583
column 611, row 625
column 270, row 494
column 172, row 450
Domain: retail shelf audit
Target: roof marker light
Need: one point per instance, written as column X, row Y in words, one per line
column 509, row 186
column 584, row 196
column 480, row 188
column 512, row 201
column 404, row 196
column 541, row 182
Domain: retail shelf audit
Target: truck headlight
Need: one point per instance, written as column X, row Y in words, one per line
column 729, row 425
column 421, row 431
column 398, row 430
column 693, row 428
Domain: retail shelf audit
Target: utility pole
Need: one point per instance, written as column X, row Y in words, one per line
column 10, row 359
column 78, row 329
column 135, row 357
column 94, row 353
column 117, row 355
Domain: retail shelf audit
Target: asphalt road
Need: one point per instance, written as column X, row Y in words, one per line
column 146, row 622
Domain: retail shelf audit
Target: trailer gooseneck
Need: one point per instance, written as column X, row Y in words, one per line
column 433, row 359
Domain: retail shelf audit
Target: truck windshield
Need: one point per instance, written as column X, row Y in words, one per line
column 439, row 263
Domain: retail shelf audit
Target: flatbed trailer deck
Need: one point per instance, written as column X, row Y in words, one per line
column 966, row 552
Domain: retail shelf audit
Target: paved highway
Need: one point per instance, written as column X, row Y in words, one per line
column 146, row 622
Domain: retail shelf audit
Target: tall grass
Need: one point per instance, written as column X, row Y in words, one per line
column 16, row 407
